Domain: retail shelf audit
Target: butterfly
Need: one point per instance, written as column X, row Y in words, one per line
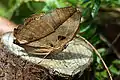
column 48, row 33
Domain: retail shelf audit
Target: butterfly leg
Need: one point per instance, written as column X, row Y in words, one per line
column 49, row 51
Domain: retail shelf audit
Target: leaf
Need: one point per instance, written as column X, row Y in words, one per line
column 25, row 9
column 73, row 2
column 87, row 11
column 50, row 32
column 95, row 8
column 114, row 70
column 36, row 6
column 116, row 62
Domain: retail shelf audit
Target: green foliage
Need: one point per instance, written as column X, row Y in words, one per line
column 26, row 9
column 111, row 3
column 18, row 10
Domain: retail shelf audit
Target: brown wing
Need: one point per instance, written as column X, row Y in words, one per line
column 40, row 26
column 62, row 35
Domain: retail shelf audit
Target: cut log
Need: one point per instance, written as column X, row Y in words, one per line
column 16, row 64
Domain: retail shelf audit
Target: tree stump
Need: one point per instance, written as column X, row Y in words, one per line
column 16, row 64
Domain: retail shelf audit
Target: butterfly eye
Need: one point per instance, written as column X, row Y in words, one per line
column 61, row 37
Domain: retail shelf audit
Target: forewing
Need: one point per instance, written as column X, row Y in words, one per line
column 37, row 27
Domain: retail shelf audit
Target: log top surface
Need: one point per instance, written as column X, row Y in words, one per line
column 75, row 58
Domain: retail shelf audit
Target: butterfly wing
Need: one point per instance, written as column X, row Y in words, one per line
column 37, row 27
column 56, row 41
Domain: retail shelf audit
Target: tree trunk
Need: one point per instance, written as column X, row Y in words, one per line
column 16, row 64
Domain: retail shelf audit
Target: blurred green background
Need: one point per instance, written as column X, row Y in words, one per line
column 93, row 28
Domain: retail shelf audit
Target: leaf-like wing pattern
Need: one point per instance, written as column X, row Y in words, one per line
column 58, row 33
column 39, row 26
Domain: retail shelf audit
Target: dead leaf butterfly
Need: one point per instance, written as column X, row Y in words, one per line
column 48, row 33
